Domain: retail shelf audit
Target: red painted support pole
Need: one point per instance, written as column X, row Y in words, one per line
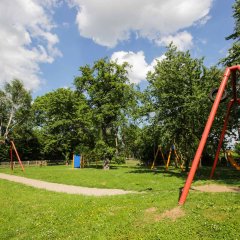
column 234, row 79
column 11, row 158
column 230, row 104
column 204, row 137
column 19, row 160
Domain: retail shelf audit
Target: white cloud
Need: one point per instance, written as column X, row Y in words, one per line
column 139, row 67
column 26, row 40
column 113, row 21
column 182, row 40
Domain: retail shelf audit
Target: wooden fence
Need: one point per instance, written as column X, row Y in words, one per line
column 33, row 163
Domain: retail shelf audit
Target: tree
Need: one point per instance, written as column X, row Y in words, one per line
column 233, row 57
column 178, row 89
column 15, row 104
column 109, row 96
column 130, row 136
column 15, row 117
column 62, row 122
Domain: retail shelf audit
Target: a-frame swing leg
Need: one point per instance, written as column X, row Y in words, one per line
column 11, row 158
column 178, row 160
column 230, row 104
column 169, row 157
column 155, row 157
column 16, row 152
column 164, row 161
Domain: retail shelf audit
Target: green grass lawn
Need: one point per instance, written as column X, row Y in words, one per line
column 29, row 213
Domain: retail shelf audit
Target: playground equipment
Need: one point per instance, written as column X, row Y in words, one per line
column 159, row 150
column 232, row 161
column 230, row 71
column 177, row 158
column 13, row 147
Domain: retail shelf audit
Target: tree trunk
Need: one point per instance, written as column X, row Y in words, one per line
column 116, row 143
column 9, row 122
column 106, row 165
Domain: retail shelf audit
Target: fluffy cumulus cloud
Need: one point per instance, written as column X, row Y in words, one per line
column 182, row 40
column 26, row 40
column 157, row 20
column 138, row 66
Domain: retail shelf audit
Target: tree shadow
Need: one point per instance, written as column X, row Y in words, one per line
column 111, row 167
column 226, row 175
column 171, row 171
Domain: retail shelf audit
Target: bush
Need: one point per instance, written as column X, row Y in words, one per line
column 119, row 159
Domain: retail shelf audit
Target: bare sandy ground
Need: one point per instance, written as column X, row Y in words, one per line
column 57, row 187
column 216, row 188
column 171, row 214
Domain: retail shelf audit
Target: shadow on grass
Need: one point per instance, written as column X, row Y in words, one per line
column 223, row 175
column 101, row 167
column 226, row 175
column 171, row 172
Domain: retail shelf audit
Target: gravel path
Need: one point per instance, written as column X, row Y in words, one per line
column 57, row 187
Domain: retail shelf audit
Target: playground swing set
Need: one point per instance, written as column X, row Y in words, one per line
column 13, row 148
column 159, row 150
column 177, row 159
column 230, row 73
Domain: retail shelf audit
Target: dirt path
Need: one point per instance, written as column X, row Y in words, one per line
column 57, row 187
column 216, row 188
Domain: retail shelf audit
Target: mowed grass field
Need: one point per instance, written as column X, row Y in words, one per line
column 29, row 213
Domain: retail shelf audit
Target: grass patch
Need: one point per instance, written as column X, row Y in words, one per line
column 29, row 213
column 121, row 177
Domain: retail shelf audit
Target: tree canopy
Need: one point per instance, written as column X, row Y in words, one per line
column 178, row 89
column 104, row 116
column 62, row 122
column 110, row 97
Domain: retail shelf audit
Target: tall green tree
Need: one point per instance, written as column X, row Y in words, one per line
column 15, row 104
column 15, row 116
column 109, row 96
column 62, row 122
column 178, row 90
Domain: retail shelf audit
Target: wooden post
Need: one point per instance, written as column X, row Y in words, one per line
column 155, row 157
column 169, row 157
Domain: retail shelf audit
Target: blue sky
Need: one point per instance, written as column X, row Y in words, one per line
column 44, row 42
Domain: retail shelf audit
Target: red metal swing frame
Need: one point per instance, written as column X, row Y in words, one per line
column 13, row 147
column 230, row 71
